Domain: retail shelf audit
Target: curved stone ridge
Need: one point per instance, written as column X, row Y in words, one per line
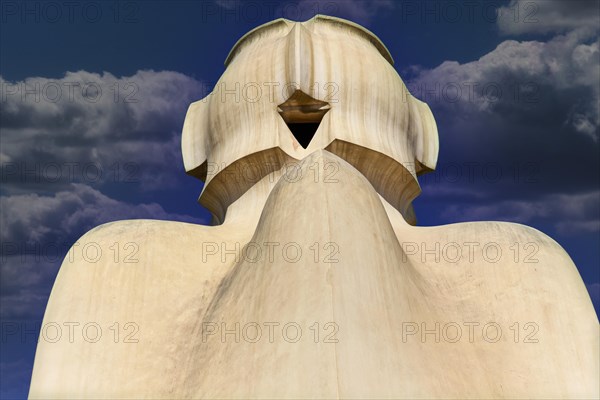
column 370, row 36
column 241, row 117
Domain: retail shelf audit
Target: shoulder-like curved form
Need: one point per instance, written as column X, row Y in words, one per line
column 407, row 324
column 378, row 308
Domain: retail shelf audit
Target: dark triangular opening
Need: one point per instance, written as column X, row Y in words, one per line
column 303, row 114
column 303, row 132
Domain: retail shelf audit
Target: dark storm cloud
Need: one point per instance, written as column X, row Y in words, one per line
column 526, row 108
column 63, row 142
column 522, row 82
column 547, row 16
column 519, row 127
column 92, row 124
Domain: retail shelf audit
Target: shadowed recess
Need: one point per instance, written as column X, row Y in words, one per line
column 303, row 114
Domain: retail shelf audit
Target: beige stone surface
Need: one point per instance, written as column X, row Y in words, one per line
column 331, row 60
column 327, row 247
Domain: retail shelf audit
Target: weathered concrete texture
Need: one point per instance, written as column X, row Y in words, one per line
column 325, row 248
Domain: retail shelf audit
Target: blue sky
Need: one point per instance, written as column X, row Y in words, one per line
column 93, row 95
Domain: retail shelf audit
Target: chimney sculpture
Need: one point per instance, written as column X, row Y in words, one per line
column 314, row 281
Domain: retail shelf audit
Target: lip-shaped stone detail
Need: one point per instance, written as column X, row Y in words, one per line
column 303, row 114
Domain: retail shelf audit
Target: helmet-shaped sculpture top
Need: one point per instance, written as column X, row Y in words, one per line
column 288, row 90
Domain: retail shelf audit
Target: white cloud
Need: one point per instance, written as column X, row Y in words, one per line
column 548, row 16
column 517, row 76
column 32, row 217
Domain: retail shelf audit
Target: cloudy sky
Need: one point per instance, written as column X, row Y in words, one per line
column 93, row 97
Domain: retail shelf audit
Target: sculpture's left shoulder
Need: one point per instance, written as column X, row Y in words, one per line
column 129, row 296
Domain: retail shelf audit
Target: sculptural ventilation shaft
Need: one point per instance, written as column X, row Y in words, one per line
column 306, row 287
